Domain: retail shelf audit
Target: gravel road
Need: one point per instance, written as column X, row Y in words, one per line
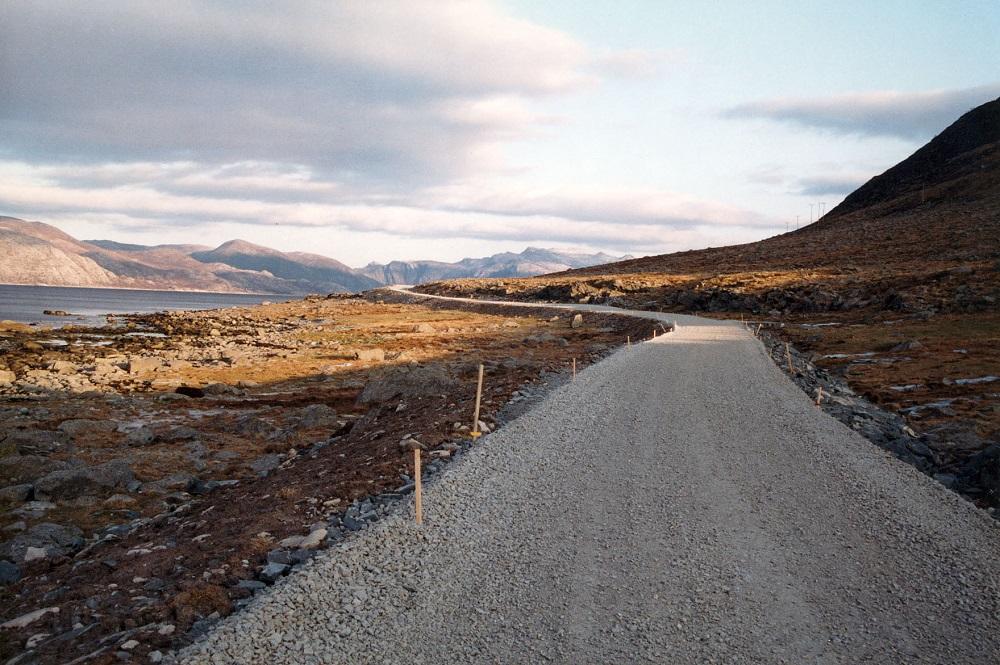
column 680, row 502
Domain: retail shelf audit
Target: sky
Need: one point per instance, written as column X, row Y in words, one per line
column 372, row 131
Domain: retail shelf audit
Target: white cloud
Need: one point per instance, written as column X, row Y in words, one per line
column 906, row 115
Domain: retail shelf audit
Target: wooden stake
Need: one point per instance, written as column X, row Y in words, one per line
column 788, row 356
column 574, row 369
column 819, row 395
column 628, row 340
column 418, row 507
column 758, row 329
column 479, row 396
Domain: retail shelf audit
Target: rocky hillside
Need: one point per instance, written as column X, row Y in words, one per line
column 37, row 253
column 532, row 261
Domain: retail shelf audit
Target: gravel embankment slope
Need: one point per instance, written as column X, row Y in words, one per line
column 680, row 502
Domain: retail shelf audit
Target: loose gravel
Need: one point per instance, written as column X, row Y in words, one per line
column 679, row 502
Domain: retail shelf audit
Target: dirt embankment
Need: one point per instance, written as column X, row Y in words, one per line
column 158, row 472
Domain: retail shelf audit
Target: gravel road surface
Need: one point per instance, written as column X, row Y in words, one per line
column 680, row 502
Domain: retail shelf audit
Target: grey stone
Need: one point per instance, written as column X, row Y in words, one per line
column 9, row 573
column 56, row 539
column 273, row 571
column 35, row 442
column 16, row 493
column 408, row 382
column 140, row 437
column 251, row 585
column 265, row 464
column 79, row 481
column 316, row 415
column 77, row 428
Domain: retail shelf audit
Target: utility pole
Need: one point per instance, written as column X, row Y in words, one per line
column 811, row 206
column 822, row 208
column 797, row 222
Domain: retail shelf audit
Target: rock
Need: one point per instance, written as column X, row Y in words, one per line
column 79, row 481
column 26, row 620
column 166, row 629
column 129, row 645
column 370, row 355
column 35, row 640
column 54, row 539
column 424, row 328
column 251, row 585
column 291, row 541
column 17, row 469
column 316, row 415
column 909, row 345
column 155, row 657
column 7, row 377
column 78, row 428
column 140, row 437
column 265, row 464
column 15, row 493
column 272, row 571
column 35, row 442
column 221, row 389
column 181, row 433
column 407, row 381
column 313, row 540
column 214, row 332
column 175, row 481
column 577, row 321
column 143, row 364
column 190, row 391
column 63, row 367
column 9, row 573
column 250, row 425
column 279, row 556
column 35, row 553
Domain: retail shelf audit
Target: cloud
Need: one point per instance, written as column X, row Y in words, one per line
column 905, row 115
column 831, row 185
column 416, row 90
column 263, row 194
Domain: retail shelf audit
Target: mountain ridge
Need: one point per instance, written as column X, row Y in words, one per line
column 33, row 252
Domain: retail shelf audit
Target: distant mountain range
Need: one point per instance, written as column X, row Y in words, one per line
column 37, row 253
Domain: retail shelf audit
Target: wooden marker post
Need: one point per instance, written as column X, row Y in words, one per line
column 819, row 395
column 418, row 508
column 475, row 434
column 628, row 340
column 574, row 369
column 788, row 357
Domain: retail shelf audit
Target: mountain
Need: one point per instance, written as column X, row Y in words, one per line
column 939, row 206
column 532, row 261
column 309, row 272
column 37, row 253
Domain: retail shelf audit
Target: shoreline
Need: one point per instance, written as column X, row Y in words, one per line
column 136, row 288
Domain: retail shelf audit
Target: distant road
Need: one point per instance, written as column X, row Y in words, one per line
column 680, row 502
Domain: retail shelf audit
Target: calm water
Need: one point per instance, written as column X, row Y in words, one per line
column 26, row 303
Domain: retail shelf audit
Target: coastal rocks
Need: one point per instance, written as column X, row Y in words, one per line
column 143, row 364
column 51, row 539
column 80, row 481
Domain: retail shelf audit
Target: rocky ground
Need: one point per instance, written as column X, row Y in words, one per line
column 158, row 472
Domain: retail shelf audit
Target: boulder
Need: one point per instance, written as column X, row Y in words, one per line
column 407, row 382
column 423, row 328
column 35, row 442
column 265, row 464
column 140, row 437
column 272, row 571
column 576, row 321
column 313, row 540
column 7, row 377
column 63, row 367
column 80, row 481
column 9, row 573
column 15, row 493
column 316, row 415
column 54, row 539
column 79, row 428
column 143, row 364
column 370, row 355
column 18, row 469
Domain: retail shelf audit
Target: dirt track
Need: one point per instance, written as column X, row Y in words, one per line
column 680, row 502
